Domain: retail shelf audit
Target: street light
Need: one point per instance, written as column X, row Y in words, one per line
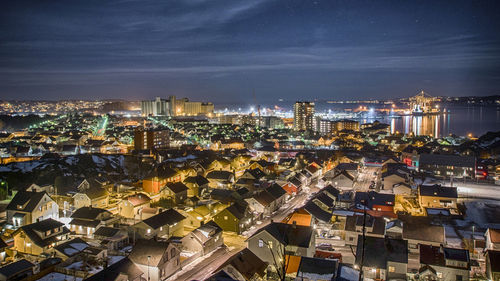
column 149, row 257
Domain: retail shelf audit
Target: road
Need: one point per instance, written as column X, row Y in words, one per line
column 476, row 190
column 204, row 267
column 365, row 178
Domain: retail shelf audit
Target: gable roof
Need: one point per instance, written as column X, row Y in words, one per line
column 276, row 191
column 378, row 251
column 72, row 247
column 43, row 226
column 89, row 213
column 447, row 160
column 199, row 180
column 123, row 267
column 246, row 263
column 27, row 199
column 438, row 190
column 177, row 187
column 289, row 234
column 148, row 248
column 318, row 266
column 17, row 267
column 168, row 217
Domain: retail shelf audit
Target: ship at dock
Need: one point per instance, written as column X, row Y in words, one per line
column 423, row 104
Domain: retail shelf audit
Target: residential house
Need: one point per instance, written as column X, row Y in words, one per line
column 235, row 218
column 437, row 196
column 343, row 180
column 444, row 165
column 242, row 266
column 204, row 239
column 418, row 231
column 39, row 237
column 317, row 269
column 18, row 270
column 378, row 204
column 158, row 260
column 392, row 178
column 165, row 224
column 132, row 205
column 262, row 203
column 374, row 227
column 123, row 270
column 197, row 185
column 112, row 238
column 492, row 237
column 95, row 196
column 293, row 186
column 492, row 258
column 383, row 259
column 85, row 220
column 277, row 240
column 177, row 191
column 70, row 249
column 220, row 179
column 442, row 263
column 28, row 207
column 278, row 193
column 158, row 178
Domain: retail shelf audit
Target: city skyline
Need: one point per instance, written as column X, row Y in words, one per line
column 228, row 50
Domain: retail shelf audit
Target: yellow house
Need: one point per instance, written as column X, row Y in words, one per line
column 39, row 237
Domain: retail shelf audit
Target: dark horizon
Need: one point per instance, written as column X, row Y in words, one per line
column 223, row 51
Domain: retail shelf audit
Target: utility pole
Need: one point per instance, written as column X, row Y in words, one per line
column 364, row 242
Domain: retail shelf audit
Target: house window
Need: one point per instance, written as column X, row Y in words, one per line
column 392, row 268
column 261, row 243
column 459, row 277
column 225, row 217
column 270, row 244
column 351, row 239
column 439, row 274
column 149, row 230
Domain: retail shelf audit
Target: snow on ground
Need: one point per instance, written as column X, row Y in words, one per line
column 348, row 273
column 484, row 213
column 56, row 276
column 452, row 238
column 115, row 259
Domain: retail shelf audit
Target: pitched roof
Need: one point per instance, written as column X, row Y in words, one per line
column 43, row 226
column 378, row 251
column 422, row 230
column 434, row 255
column 88, row 213
column 28, row 200
column 289, row 234
column 447, row 160
column 276, row 190
column 177, row 187
column 106, row 231
column 15, row 268
column 246, row 263
column 494, row 235
column 168, row 217
column 219, row 175
column 138, row 199
column 438, row 190
column 317, row 212
column 124, row 266
column 318, row 266
column 199, row 180
column 148, row 248
column 72, row 247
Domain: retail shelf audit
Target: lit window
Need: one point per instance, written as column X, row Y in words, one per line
column 392, row 268
column 261, row 243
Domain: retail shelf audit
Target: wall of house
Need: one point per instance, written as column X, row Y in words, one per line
column 25, row 245
column 227, row 221
column 81, row 200
column 434, row 202
column 262, row 250
column 450, row 274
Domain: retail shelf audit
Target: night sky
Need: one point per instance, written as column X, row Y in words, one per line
column 221, row 51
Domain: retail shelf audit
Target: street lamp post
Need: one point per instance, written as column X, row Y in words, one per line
column 149, row 257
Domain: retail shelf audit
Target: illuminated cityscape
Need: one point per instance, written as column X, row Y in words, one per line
column 249, row 140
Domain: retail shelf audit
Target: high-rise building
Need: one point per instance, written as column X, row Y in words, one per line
column 151, row 138
column 157, row 107
column 303, row 116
